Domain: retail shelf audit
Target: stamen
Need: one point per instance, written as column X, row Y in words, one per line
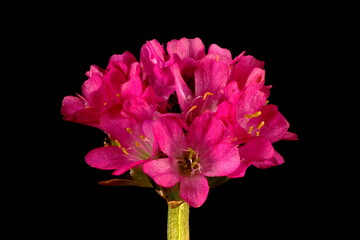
column 191, row 109
column 250, row 129
column 258, row 113
column 207, row 94
column 257, row 133
column 142, row 137
column 105, row 103
column 137, row 144
column 129, row 130
column 118, row 95
column 117, row 143
column 267, row 101
column 261, row 125
column 125, row 151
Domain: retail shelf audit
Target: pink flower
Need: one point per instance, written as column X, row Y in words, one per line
column 134, row 144
column 181, row 115
column 120, row 81
column 204, row 152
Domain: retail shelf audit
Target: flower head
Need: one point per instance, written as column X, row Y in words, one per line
column 181, row 115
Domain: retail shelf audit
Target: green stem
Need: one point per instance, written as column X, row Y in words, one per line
column 178, row 222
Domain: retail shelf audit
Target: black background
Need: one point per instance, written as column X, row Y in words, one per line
column 62, row 190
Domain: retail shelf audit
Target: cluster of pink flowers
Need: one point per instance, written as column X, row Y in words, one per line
column 181, row 115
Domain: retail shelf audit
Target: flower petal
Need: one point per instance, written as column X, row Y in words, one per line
column 110, row 158
column 169, row 134
column 183, row 92
column 240, row 171
column 275, row 161
column 133, row 87
column 138, row 109
column 164, row 171
column 73, row 109
column 210, row 76
column 221, row 54
column 206, row 131
column 186, row 48
column 243, row 68
column 257, row 150
column 276, row 125
column 194, row 190
column 256, row 78
column 220, row 160
column 120, row 128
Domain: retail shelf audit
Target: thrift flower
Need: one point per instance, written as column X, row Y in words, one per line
column 204, row 152
column 180, row 116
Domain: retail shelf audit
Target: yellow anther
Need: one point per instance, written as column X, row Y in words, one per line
column 129, row 130
column 267, row 101
column 87, row 107
column 137, row 144
column 207, row 94
column 250, row 129
column 117, row 143
column 261, row 125
column 192, row 108
column 257, row 133
column 142, row 137
column 118, row 95
column 125, row 151
column 258, row 113
column 105, row 103
column 193, row 164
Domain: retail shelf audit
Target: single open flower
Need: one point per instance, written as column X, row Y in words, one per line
column 205, row 151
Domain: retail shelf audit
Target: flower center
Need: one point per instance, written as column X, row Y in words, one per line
column 189, row 165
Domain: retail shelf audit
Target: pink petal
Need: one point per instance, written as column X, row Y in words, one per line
column 257, row 150
column 194, row 190
column 290, row 136
column 118, row 126
column 93, row 83
column 138, row 109
column 220, row 160
column 183, row 92
column 241, row 170
column 276, row 125
column 169, row 134
column 73, row 109
column 249, row 102
column 221, row 54
column 164, row 171
column 110, row 158
column 275, row 161
column 256, row 78
column 155, row 68
column 243, row 68
column 133, row 87
column 206, row 131
column 186, row 48
column 71, row 104
column 210, row 76
column 122, row 62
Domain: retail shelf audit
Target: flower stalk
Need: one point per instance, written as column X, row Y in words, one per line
column 178, row 222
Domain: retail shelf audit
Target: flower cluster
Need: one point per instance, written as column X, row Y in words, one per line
column 181, row 115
